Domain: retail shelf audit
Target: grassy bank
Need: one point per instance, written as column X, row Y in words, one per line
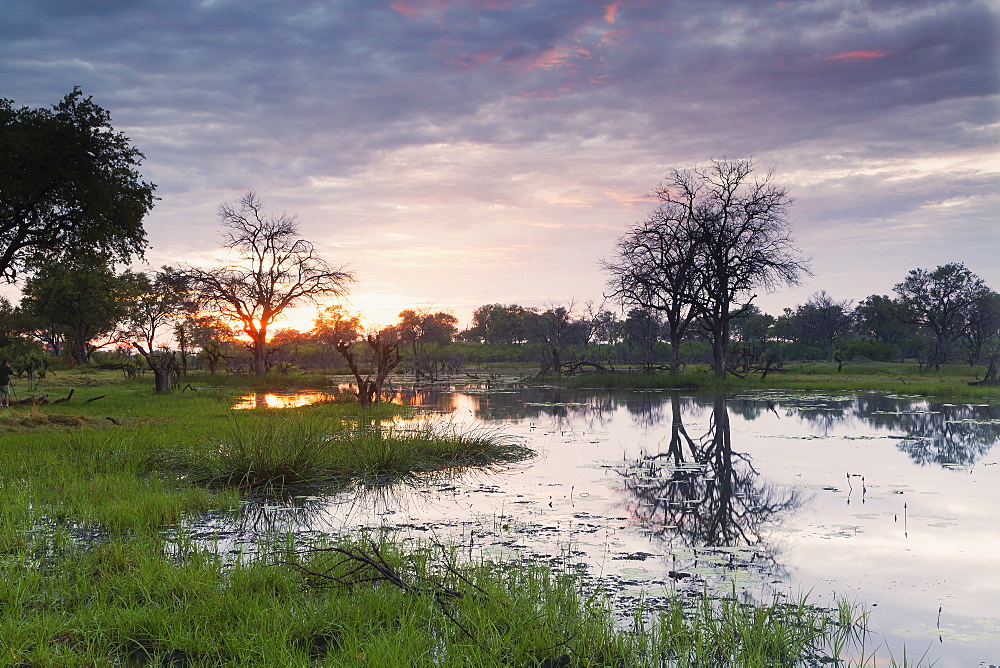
column 901, row 379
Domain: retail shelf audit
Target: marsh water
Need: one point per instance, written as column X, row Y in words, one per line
column 890, row 501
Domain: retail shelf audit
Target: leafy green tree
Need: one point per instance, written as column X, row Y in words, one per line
column 607, row 328
column 427, row 334
column 213, row 337
column 822, row 320
column 882, row 318
column 439, row 328
column 555, row 330
column 334, row 324
column 943, row 301
column 16, row 343
column 753, row 326
column 498, row 323
column 83, row 297
column 983, row 328
column 753, row 331
column 642, row 330
column 155, row 309
column 67, row 181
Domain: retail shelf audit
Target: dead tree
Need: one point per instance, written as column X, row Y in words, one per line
column 385, row 358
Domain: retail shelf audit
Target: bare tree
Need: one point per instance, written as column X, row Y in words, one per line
column 275, row 270
column 385, row 358
column 737, row 226
column 654, row 268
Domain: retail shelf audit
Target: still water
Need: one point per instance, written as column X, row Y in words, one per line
column 889, row 501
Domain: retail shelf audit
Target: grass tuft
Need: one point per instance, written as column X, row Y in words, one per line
column 307, row 449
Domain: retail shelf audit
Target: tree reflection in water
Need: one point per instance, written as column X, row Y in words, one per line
column 931, row 433
column 936, row 433
column 701, row 494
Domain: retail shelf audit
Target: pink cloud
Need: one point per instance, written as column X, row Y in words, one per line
column 406, row 8
column 851, row 56
column 415, row 8
column 610, row 11
column 615, row 37
column 465, row 61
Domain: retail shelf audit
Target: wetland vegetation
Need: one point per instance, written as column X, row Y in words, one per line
column 99, row 567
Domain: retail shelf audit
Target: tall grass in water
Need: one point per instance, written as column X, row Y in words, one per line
column 305, row 448
column 415, row 448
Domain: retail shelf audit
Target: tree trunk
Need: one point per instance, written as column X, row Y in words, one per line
column 260, row 354
column 719, row 342
column 675, row 353
column 163, row 366
column 386, row 358
column 163, row 378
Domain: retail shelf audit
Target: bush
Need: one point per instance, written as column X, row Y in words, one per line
column 878, row 351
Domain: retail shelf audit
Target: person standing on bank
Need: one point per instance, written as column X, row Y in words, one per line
column 5, row 372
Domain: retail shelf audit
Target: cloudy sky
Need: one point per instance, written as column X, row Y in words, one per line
column 455, row 153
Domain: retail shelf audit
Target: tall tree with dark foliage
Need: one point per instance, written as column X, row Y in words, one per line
column 67, row 181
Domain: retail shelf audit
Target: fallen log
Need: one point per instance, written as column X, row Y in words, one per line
column 573, row 367
column 64, row 400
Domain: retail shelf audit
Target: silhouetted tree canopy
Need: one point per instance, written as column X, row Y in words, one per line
column 943, row 301
column 720, row 232
column 83, row 297
column 67, row 181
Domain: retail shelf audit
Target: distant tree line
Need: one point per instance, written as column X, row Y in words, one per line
column 681, row 285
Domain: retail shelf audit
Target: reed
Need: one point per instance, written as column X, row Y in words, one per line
column 309, row 448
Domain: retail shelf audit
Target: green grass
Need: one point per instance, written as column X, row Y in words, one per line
column 168, row 456
column 128, row 599
column 907, row 379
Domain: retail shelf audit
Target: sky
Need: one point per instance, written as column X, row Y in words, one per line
column 455, row 153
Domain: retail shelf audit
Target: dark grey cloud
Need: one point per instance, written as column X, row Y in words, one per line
column 222, row 95
column 258, row 72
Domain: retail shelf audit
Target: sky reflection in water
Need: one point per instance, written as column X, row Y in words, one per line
column 887, row 500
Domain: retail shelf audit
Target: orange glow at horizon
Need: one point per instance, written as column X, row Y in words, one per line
column 376, row 310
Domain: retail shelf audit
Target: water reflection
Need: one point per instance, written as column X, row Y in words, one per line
column 282, row 399
column 699, row 492
column 931, row 433
column 943, row 434
column 758, row 486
